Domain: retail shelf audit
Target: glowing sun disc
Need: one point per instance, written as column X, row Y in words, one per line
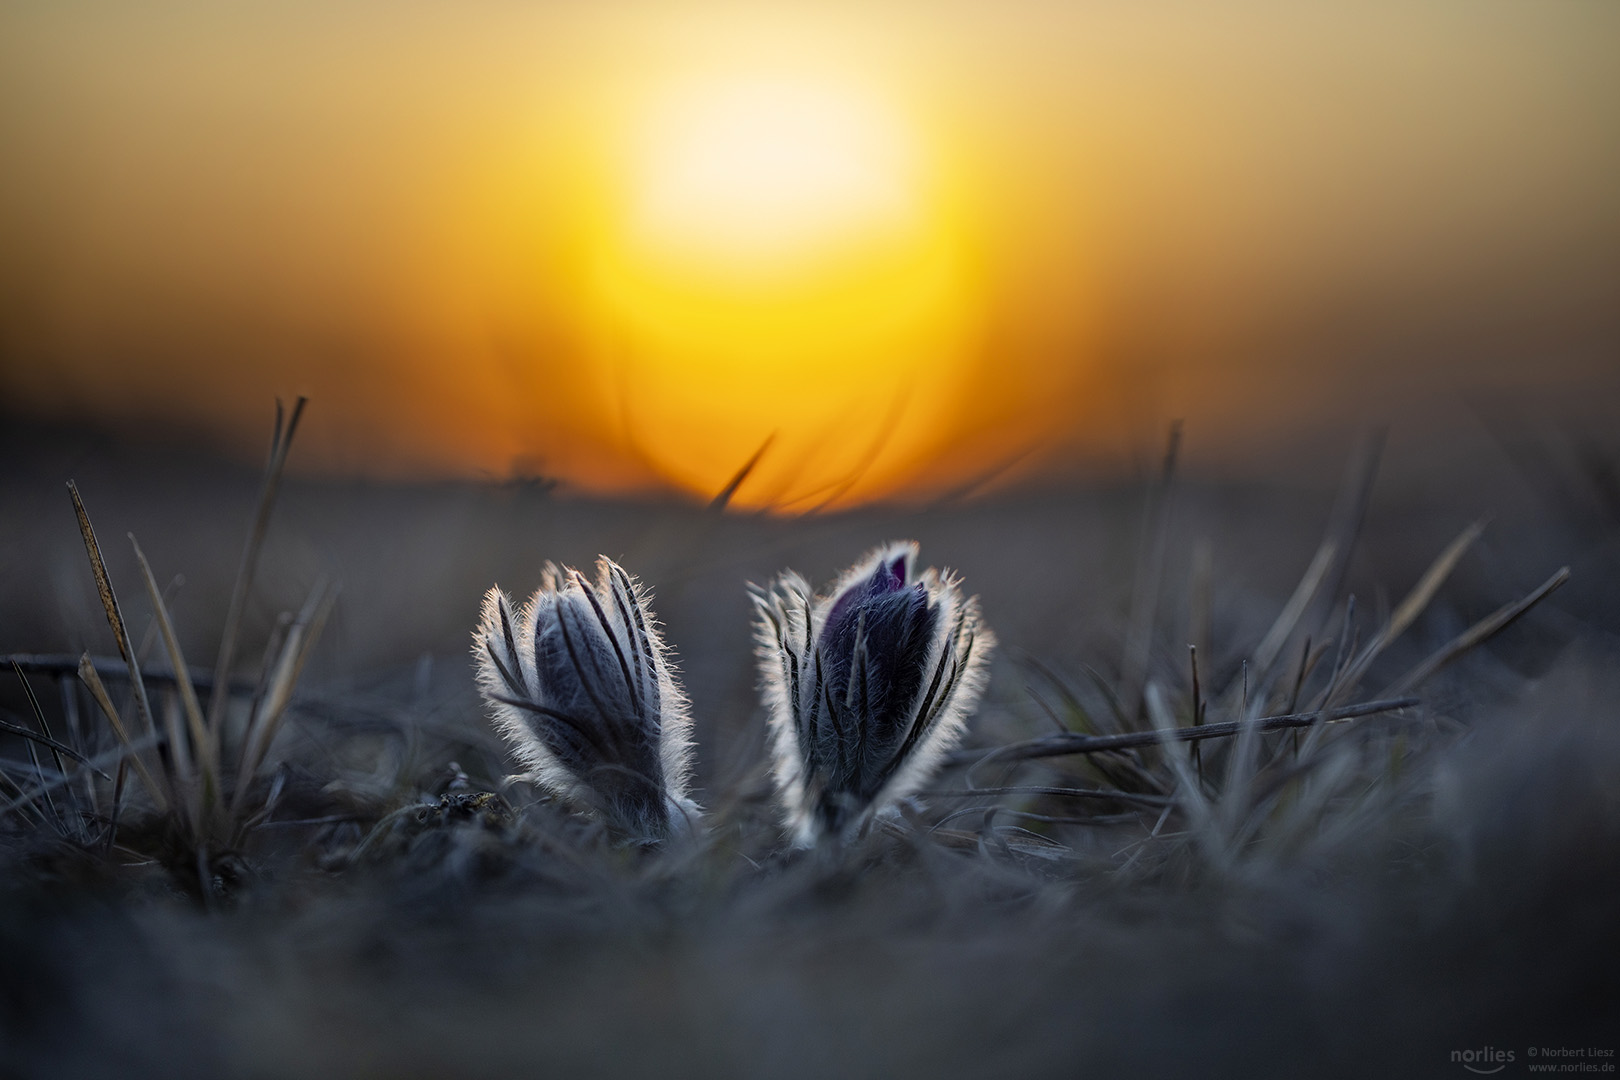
column 779, row 264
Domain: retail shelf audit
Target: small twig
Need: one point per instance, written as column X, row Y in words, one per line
column 1061, row 745
column 110, row 667
column 1064, row 792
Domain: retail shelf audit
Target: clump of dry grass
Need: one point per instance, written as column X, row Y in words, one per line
column 202, row 795
column 1163, row 771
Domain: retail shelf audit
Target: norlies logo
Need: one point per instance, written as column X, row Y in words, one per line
column 1485, row 1061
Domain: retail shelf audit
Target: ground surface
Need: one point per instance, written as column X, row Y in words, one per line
column 1438, row 880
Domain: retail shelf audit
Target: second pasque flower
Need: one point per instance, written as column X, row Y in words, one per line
column 867, row 686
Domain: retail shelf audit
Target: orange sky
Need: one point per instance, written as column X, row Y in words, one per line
column 909, row 243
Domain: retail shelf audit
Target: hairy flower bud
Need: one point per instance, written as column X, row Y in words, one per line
column 578, row 683
column 867, row 686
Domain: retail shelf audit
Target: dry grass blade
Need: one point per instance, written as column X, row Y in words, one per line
column 51, row 808
column 1412, row 606
column 104, row 588
column 1201, row 597
column 115, row 619
column 117, row 756
column 1429, row 584
column 98, row 691
column 1148, row 579
column 1240, row 768
column 984, row 478
column 262, row 726
column 869, row 456
column 1478, row 634
column 723, row 499
column 1187, row 783
column 1327, row 567
column 1271, row 646
column 280, row 445
column 46, row 741
column 207, row 754
column 22, row 801
column 44, row 725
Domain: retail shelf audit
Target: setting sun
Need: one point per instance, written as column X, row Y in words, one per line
column 764, row 171
column 778, row 260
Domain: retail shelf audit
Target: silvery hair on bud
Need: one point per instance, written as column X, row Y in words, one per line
column 866, row 686
column 579, row 684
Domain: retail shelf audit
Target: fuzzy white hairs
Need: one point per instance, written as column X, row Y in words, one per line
column 579, row 684
column 866, row 686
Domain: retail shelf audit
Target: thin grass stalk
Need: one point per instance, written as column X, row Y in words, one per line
column 1478, row 634
column 1201, row 596
column 49, row 741
column 44, row 790
column 1328, row 565
column 1148, row 578
column 280, row 446
column 98, row 691
column 1240, row 765
column 69, row 693
column 187, row 790
column 1197, row 710
column 267, row 665
column 117, row 805
column 115, row 619
column 1271, row 646
column 266, row 719
column 21, row 801
column 1348, row 517
column 1175, row 752
column 723, row 498
column 206, row 752
column 869, row 456
column 44, row 740
column 50, row 784
column 1407, row 611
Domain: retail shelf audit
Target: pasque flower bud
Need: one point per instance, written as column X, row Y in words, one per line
column 579, row 684
column 866, row 686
